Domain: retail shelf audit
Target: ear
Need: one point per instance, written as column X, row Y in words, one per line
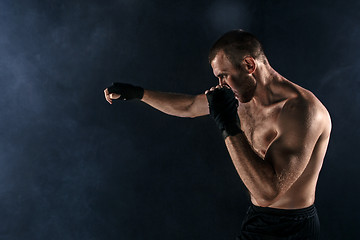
column 250, row 64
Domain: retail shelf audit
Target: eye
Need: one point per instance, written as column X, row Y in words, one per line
column 222, row 76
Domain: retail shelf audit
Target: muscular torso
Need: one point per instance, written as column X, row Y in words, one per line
column 260, row 126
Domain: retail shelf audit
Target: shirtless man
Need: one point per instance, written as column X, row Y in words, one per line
column 276, row 133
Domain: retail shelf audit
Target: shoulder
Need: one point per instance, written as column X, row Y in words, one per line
column 304, row 111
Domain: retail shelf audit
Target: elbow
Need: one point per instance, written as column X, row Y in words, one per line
column 264, row 202
column 270, row 194
column 267, row 199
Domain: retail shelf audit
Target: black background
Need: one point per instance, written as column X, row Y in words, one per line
column 74, row 167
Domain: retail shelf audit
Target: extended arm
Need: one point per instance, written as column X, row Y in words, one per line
column 181, row 105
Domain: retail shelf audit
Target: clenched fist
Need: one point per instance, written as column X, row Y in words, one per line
column 123, row 91
column 223, row 109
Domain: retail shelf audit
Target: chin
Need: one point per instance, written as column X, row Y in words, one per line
column 245, row 98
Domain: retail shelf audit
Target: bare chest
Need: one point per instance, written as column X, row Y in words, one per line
column 259, row 126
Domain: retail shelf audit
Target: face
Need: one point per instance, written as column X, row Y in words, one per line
column 240, row 79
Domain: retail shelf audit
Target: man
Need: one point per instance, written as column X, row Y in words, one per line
column 276, row 133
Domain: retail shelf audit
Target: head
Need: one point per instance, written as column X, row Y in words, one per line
column 234, row 58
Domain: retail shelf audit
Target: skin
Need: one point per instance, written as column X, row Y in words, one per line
column 285, row 130
column 285, row 134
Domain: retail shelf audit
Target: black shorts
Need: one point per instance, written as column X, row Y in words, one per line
column 263, row 223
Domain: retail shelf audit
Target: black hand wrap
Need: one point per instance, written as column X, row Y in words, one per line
column 223, row 109
column 127, row 91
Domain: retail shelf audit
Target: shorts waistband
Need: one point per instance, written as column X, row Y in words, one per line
column 308, row 211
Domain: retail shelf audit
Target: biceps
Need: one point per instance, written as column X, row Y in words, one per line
column 200, row 106
column 288, row 161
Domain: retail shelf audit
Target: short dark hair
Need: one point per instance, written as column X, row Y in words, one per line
column 236, row 44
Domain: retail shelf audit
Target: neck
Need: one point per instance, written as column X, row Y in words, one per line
column 266, row 77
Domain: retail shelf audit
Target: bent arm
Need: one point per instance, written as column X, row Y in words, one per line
column 181, row 105
column 286, row 158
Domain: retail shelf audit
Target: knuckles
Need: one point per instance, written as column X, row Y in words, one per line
column 213, row 89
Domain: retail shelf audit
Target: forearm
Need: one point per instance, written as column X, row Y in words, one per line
column 257, row 174
column 181, row 105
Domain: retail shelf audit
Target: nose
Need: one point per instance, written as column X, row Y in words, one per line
column 221, row 82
